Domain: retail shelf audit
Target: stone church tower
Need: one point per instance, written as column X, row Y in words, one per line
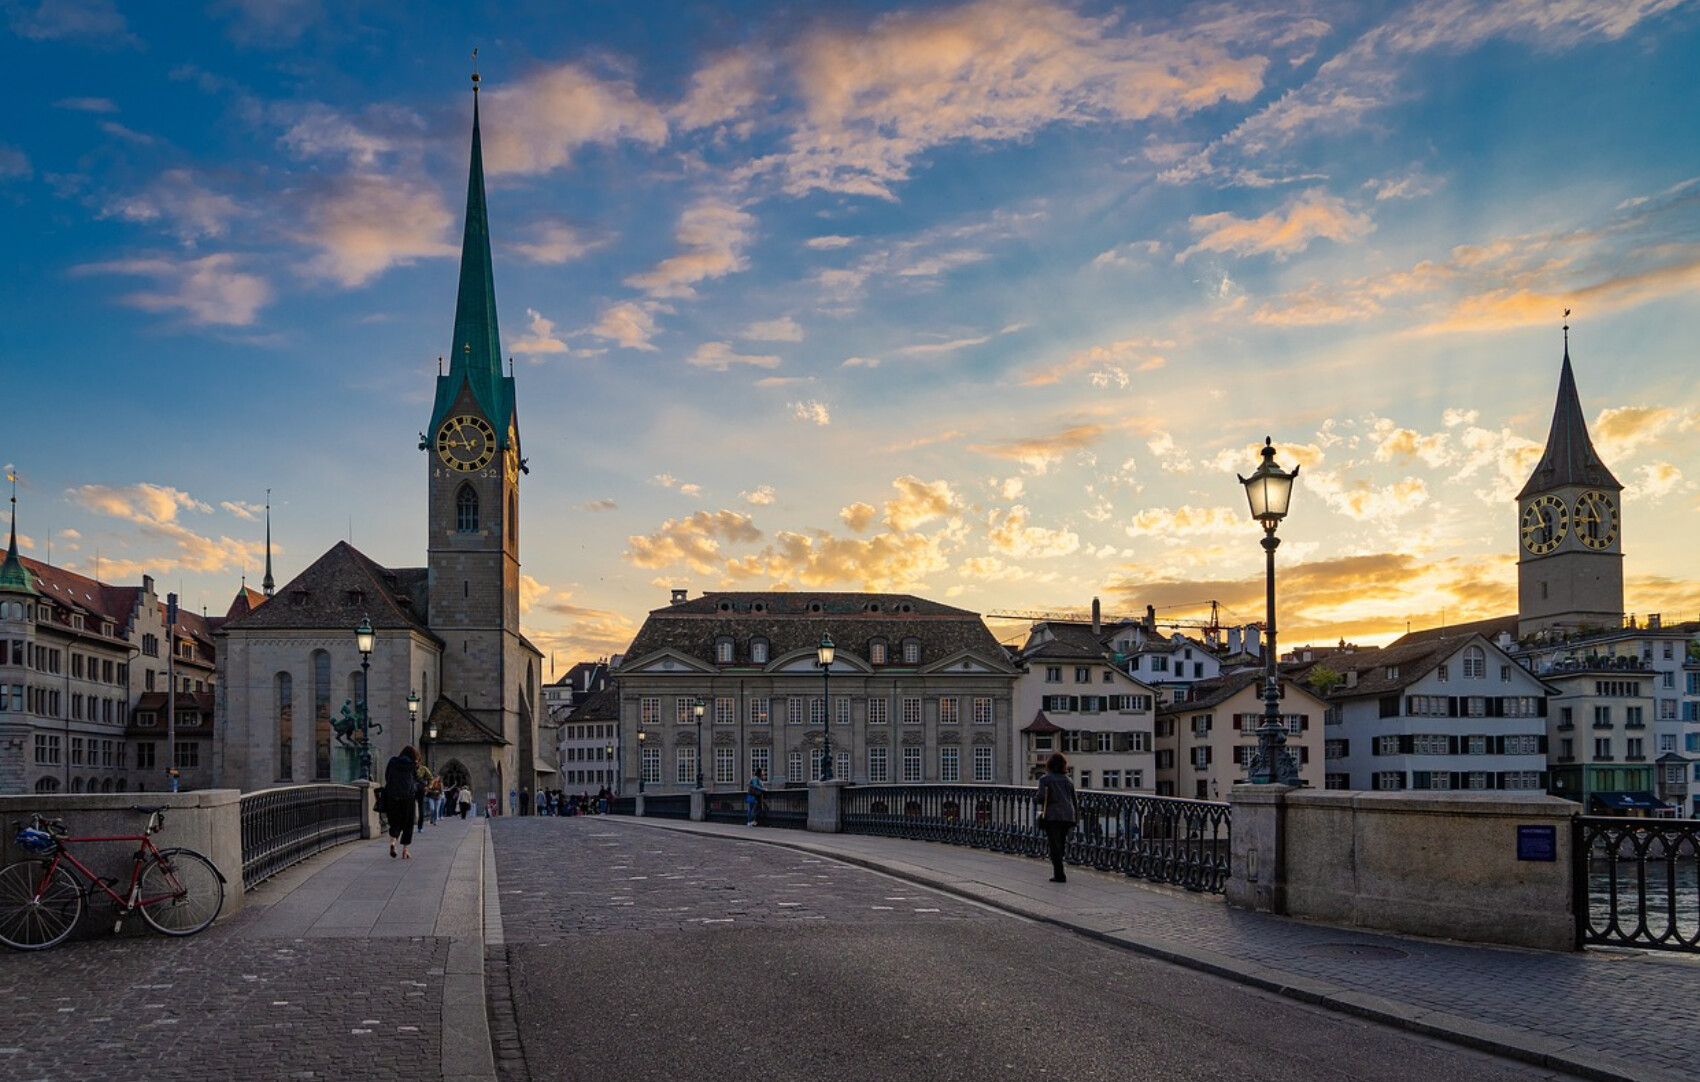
column 1570, row 545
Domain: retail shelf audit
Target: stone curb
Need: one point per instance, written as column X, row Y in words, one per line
column 1486, row 1037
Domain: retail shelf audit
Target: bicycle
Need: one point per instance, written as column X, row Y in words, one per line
column 178, row 891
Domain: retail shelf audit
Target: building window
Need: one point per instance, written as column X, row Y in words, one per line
column 876, row 652
column 879, row 765
column 1475, row 663
column 649, row 711
column 762, row 759
column 1082, row 675
column 794, row 710
column 1053, row 674
column 723, row 651
column 1602, row 748
column 1387, row 745
column 911, row 711
column 47, row 749
column 758, row 712
column 1112, row 779
column 912, row 764
column 982, row 711
column 758, row 651
column 817, row 711
column 794, row 767
column 285, row 708
column 841, row 710
column 651, row 766
column 950, row 764
column 1443, row 673
column 726, row 766
column 911, row 651
column 950, row 711
column 685, row 772
column 188, row 754
column 466, row 510
column 683, row 709
column 1388, row 779
column 879, row 712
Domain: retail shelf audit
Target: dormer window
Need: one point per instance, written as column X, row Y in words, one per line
column 816, row 606
column 877, row 652
column 911, row 651
column 723, row 650
column 758, row 650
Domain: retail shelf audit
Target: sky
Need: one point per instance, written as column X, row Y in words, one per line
column 987, row 302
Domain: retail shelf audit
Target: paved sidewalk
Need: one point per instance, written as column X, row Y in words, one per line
column 1622, row 1016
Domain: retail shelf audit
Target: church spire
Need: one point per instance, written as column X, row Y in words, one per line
column 14, row 577
column 475, row 355
column 1570, row 458
column 266, row 583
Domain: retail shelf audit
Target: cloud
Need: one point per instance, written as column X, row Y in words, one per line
column 859, row 516
column 189, row 210
column 369, row 223
column 918, row 502
column 1653, row 481
column 811, row 411
column 693, row 541
column 54, row 20
column 209, row 291
column 860, row 362
column 686, row 488
column 531, row 591
column 1395, row 444
column 540, row 336
column 827, row 243
column 1009, row 533
column 884, row 563
column 596, row 506
column 555, row 243
column 761, row 497
column 87, row 105
column 713, row 235
column 1308, row 216
column 1037, row 454
column 1107, row 365
column 1188, row 521
column 724, row 90
column 877, row 97
column 927, row 349
column 271, row 24
column 586, row 632
column 316, row 130
column 541, row 121
column 1621, row 431
column 1363, row 500
column 144, row 503
column 783, row 329
column 151, row 513
column 718, row 357
column 630, row 324
column 14, row 164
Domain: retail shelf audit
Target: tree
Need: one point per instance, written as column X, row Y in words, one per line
column 1322, row 679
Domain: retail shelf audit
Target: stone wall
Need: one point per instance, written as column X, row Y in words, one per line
column 1449, row 865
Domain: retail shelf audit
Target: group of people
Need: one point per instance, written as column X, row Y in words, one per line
column 412, row 794
column 558, row 802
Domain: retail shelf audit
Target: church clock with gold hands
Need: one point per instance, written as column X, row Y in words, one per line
column 466, row 443
column 1596, row 520
column 1545, row 522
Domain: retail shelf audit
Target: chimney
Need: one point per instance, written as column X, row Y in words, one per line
column 1655, row 621
column 1233, row 640
column 679, row 596
column 1351, row 678
column 1097, row 617
column 1151, row 618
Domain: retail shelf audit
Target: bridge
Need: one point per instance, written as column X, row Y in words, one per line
column 612, row 947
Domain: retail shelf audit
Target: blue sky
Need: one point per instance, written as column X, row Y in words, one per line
column 987, row 301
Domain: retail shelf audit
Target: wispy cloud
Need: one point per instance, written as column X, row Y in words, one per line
column 209, row 291
column 713, row 235
column 367, row 223
column 546, row 118
column 719, row 356
column 1309, row 216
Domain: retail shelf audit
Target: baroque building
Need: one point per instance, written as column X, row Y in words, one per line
column 446, row 634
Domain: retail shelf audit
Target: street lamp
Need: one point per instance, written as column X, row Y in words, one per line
column 430, row 738
column 412, row 713
column 823, row 658
column 1269, row 490
column 608, row 757
column 363, row 638
column 696, row 709
column 643, row 742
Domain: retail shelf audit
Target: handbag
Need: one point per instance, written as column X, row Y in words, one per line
column 378, row 799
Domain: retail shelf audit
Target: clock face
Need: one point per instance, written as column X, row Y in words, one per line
column 510, row 464
column 1596, row 520
column 466, row 443
column 1545, row 522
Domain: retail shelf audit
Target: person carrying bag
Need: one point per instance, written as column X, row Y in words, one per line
column 1057, row 814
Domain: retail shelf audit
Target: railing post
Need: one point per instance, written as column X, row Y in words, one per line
column 825, row 802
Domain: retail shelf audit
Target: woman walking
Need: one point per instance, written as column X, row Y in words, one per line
column 1055, row 798
column 401, row 797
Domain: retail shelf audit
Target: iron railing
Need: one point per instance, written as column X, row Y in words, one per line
column 1163, row 839
column 281, row 827
column 667, row 806
column 1637, row 882
column 787, row 808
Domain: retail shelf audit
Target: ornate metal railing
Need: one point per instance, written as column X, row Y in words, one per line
column 787, row 808
column 1163, row 839
column 1637, row 882
column 283, row 826
column 667, row 806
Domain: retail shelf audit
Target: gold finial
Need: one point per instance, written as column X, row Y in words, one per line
column 1567, row 331
column 475, row 71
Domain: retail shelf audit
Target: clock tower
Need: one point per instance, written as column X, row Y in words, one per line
column 1570, row 546
column 473, row 469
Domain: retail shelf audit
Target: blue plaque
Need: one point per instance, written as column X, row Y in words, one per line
column 1537, row 843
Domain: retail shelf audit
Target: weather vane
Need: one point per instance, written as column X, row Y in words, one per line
column 475, row 71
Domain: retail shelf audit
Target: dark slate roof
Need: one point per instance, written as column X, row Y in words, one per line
column 601, row 705
column 456, row 726
column 1570, row 458
column 1205, row 694
column 338, row 590
column 796, row 621
column 1074, row 642
column 1488, row 629
column 1413, row 660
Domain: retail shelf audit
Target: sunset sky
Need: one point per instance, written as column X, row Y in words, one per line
column 986, row 302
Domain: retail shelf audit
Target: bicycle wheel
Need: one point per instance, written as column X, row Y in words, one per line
column 34, row 916
column 181, row 892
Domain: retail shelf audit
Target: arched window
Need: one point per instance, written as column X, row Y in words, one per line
column 47, row 785
column 321, row 715
column 466, row 510
column 1475, row 663
column 285, row 727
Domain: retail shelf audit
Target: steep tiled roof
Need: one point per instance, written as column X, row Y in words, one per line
column 456, row 726
column 338, row 590
column 602, row 705
column 1570, row 458
column 1209, row 693
column 247, row 599
column 796, row 621
column 1411, row 661
column 1042, row 724
column 1488, row 629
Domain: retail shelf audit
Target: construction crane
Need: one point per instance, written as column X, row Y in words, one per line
column 1212, row 626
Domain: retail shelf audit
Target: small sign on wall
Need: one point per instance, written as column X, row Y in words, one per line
column 1537, row 843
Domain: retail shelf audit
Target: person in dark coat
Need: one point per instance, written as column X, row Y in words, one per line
column 1055, row 798
column 401, row 797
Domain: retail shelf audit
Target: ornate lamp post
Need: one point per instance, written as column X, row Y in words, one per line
column 608, row 757
column 430, row 738
column 412, row 713
column 1269, row 491
column 363, row 639
column 823, row 657
column 643, row 742
column 696, row 708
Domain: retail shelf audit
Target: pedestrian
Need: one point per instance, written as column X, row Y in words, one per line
column 463, row 800
column 755, row 810
column 524, row 801
column 1055, row 798
column 401, row 785
column 423, row 773
column 542, row 802
column 434, row 799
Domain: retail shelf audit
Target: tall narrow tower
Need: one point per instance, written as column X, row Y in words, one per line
column 473, row 478
column 1570, row 551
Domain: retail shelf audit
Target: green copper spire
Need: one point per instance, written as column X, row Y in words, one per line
column 14, row 577
column 475, row 356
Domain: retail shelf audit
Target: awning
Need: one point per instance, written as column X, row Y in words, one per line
column 1630, row 801
column 543, row 768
